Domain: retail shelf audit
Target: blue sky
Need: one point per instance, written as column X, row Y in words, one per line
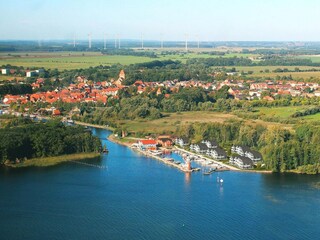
column 210, row 20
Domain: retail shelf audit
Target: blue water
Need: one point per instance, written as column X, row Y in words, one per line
column 140, row 198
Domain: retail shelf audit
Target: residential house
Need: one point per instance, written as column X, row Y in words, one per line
column 182, row 141
column 31, row 73
column 241, row 162
column 247, row 152
column 210, row 144
column 217, row 153
column 199, row 148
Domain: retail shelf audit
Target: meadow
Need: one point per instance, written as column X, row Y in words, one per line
column 75, row 60
column 284, row 113
column 280, row 112
column 170, row 122
column 313, row 58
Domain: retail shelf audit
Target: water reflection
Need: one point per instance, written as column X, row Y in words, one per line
column 187, row 178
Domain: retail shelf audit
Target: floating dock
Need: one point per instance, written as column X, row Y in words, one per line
column 167, row 161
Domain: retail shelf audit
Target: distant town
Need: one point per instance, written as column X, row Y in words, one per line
column 87, row 91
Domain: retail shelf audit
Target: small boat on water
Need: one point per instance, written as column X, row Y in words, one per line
column 209, row 172
column 105, row 149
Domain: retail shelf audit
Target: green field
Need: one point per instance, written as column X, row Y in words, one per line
column 68, row 63
column 171, row 121
column 315, row 117
column 281, row 112
column 313, row 58
column 286, row 112
column 74, row 60
column 259, row 71
column 50, row 161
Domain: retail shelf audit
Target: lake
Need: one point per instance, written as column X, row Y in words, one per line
column 137, row 197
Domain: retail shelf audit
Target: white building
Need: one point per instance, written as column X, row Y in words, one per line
column 31, row 73
column 241, row 162
column 5, row 71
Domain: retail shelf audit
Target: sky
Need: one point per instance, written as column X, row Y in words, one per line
column 206, row 20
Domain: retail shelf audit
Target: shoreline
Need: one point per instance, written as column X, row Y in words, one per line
column 232, row 168
column 52, row 161
column 112, row 138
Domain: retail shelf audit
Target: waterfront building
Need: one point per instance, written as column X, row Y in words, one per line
column 182, row 141
column 217, row 153
column 148, row 144
column 247, row 152
column 241, row 162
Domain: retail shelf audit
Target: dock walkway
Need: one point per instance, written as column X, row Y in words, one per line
column 165, row 160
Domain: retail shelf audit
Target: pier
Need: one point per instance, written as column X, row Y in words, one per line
column 167, row 161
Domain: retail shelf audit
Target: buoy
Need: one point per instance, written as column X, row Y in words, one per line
column 221, row 180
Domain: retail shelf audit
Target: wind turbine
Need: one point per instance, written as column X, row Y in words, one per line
column 186, row 44
column 141, row 41
column 104, row 42
column 198, row 41
column 161, row 44
column 74, row 40
column 89, row 40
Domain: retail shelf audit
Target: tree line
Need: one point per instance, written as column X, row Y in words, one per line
column 15, row 89
column 24, row 139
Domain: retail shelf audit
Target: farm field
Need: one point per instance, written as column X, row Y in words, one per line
column 294, row 75
column 313, row 58
column 74, row 60
column 68, row 63
column 259, row 71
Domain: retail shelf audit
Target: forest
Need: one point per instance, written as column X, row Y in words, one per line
column 23, row 139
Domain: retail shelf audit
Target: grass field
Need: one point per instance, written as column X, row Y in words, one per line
column 285, row 113
column 50, row 161
column 281, row 112
column 74, row 60
column 171, row 121
column 315, row 117
column 294, row 75
column 257, row 71
column 313, row 58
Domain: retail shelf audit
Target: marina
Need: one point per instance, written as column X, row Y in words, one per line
column 168, row 161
